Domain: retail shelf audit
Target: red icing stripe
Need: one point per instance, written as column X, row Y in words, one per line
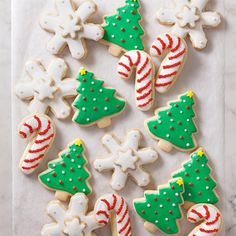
column 130, row 60
column 162, row 43
column 101, row 212
column 207, row 212
column 146, row 103
column 29, row 127
column 30, row 167
column 143, row 66
column 144, row 87
column 102, row 222
column 144, row 95
column 123, row 74
column 197, row 213
column 44, row 139
column 163, row 84
column 177, row 55
column 128, row 233
column 125, row 66
column 214, row 221
column 157, row 49
column 172, row 65
column 145, row 75
column 107, row 203
column 170, row 41
column 177, row 46
column 34, row 159
column 191, row 219
column 138, row 58
column 208, row 230
column 121, row 206
column 47, row 128
column 114, row 201
column 39, row 149
column 23, row 134
column 124, row 215
column 167, row 75
column 125, row 226
column 38, row 121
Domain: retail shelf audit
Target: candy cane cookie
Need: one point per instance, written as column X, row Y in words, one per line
column 113, row 207
column 42, row 130
column 176, row 52
column 144, row 86
column 210, row 215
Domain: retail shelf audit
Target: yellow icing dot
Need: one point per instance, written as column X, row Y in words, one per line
column 180, row 182
column 78, row 142
column 190, row 94
column 83, row 71
column 200, row 153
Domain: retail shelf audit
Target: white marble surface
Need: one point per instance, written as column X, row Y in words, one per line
column 226, row 160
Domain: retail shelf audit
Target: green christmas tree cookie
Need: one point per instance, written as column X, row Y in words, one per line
column 67, row 174
column 122, row 30
column 198, row 184
column 173, row 126
column 95, row 104
column 161, row 209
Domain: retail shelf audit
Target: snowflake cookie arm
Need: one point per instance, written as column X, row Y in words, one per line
column 104, row 164
column 77, row 48
column 166, row 16
column 74, row 227
column 110, row 143
column 147, row 155
column 210, row 19
column 60, row 108
column 92, row 31
column 51, row 230
column 119, row 178
column 141, row 177
column 200, row 4
column 37, row 106
column 86, row 10
column 132, row 140
column 198, row 37
column 78, row 205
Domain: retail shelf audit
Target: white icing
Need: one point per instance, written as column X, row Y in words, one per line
column 71, row 28
column 190, row 17
column 73, row 220
column 126, row 159
column 47, row 88
column 210, row 224
column 29, row 161
column 125, row 66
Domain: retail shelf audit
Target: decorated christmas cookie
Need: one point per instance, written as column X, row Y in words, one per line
column 114, row 208
column 73, row 221
column 95, row 103
column 175, row 50
column 70, row 26
column 126, row 159
column 46, row 89
column 189, row 17
column 173, row 126
column 161, row 209
column 42, row 131
column 198, row 184
column 68, row 174
column 211, row 217
column 144, row 86
column 122, row 30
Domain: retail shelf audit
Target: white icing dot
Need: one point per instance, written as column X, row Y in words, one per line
column 207, row 187
column 74, row 149
column 176, row 194
column 173, row 204
column 105, row 108
column 164, row 193
column 159, row 121
column 83, row 89
column 83, row 109
column 197, row 178
column 189, row 165
column 54, row 165
column 114, row 24
column 48, row 180
column 63, row 172
column 94, row 99
column 161, row 205
column 113, row 36
column 185, row 130
column 72, row 160
column 100, row 90
column 131, row 36
column 172, row 120
column 124, row 11
column 148, row 205
column 208, row 199
column 187, row 144
column 135, row 46
column 184, row 100
column 84, row 190
column 167, row 135
column 79, row 166
column 156, row 221
column 188, row 120
column 189, row 194
column 92, row 82
column 166, row 219
column 70, row 179
column 203, row 165
column 132, row 5
column 88, row 119
column 181, row 112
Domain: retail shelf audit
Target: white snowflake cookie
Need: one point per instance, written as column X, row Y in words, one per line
column 126, row 159
column 46, row 89
column 189, row 17
column 72, row 221
column 70, row 27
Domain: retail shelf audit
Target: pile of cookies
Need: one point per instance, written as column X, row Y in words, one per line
column 47, row 90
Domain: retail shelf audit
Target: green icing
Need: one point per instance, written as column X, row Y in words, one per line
column 198, row 183
column 162, row 207
column 68, row 172
column 175, row 124
column 95, row 102
column 123, row 28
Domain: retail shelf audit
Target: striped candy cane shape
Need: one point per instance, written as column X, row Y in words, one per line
column 42, row 130
column 144, row 86
column 113, row 205
column 212, row 220
column 173, row 63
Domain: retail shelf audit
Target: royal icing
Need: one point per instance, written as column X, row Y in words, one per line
column 162, row 208
column 198, row 184
column 126, row 159
column 68, row 173
column 95, row 102
column 42, row 132
column 175, row 124
column 144, row 85
column 176, row 51
column 46, row 89
column 71, row 28
column 189, row 18
column 210, row 215
column 123, row 28
column 73, row 221
column 113, row 203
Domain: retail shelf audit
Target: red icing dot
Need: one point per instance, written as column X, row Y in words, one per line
column 200, row 193
column 79, row 178
column 206, row 178
column 91, row 90
column 68, row 155
column 106, row 99
column 156, row 213
column 78, row 156
column 84, row 98
column 176, row 105
column 197, row 170
column 154, row 126
column 95, row 109
column 173, row 187
column 122, row 29
column 72, row 169
column 168, row 199
column 171, row 212
column 133, row 12
column 179, row 123
column 197, row 160
column 74, row 188
column 63, row 164
column 135, row 27
column 143, row 212
column 190, row 184
column 118, row 18
column 169, row 113
column 187, row 107
column 155, row 199
column 171, row 128
column 60, row 182
column 54, row 174
column 186, row 174
column 117, row 106
column 181, row 137
column 84, row 80
column 122, row 40
column 168, row 228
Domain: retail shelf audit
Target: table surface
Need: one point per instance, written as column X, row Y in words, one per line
column 222, row 69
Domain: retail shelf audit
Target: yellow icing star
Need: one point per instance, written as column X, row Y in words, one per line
column 78, row 142
column 83, row 71
column 190, row 94
column 180, row 182
column 200, row 153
